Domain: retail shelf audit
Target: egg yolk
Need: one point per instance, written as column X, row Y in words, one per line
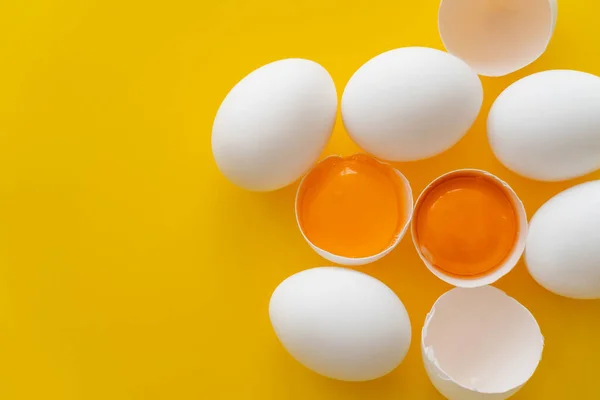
column 352, row 207
column 466, row 225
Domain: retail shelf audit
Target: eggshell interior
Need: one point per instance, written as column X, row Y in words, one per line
column 497, row 37
column 512, row 259
column 478, row 342
column 348, row 261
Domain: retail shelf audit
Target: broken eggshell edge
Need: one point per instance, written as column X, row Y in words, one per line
column 508, row 264
column 445, row 384
column 500, row 70
column 349, row 261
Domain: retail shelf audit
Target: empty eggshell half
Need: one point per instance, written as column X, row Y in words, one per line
column 452, row 236
column 341, row 323
column 545, row 126
column 480, row 344
column 345, row 197
column 497, row 37
column 411, row 103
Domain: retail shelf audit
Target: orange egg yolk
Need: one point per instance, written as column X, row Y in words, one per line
column 466, row 225
column 352, row 207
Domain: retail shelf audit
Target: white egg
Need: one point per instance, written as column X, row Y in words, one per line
column 411, row 103
column 563, row 246
column 274, row 124
column 545, row 126
column 341, row 323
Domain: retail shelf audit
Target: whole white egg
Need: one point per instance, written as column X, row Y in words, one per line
column 341, row 323
column 273, row 125
column 563, row 246
column 546, row 126
column 411, row 103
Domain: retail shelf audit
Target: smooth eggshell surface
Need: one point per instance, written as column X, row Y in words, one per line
column 274, row 124
column 341, row 323
column 563, row 247
column 545, row 126
column 411, row 103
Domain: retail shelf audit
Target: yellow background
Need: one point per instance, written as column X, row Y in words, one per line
column 131, row 269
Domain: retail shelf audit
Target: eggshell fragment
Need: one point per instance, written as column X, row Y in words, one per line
column 545, row 126
column 348, row 261
column 511, row 260
column 411, row 103
column 274, row 124
column 341, row 323
column 563, row 247
column 480, row 344
column 497, row 37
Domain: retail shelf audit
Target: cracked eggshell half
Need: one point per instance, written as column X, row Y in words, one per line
column 545, row 126
column 341, row 323
column 347, row 196
column 411, row 103
column 272, row 126
column 480, row 344
column 497, row 37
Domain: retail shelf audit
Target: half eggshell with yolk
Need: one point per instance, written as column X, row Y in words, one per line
column 353, row 210
column 469, row 228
